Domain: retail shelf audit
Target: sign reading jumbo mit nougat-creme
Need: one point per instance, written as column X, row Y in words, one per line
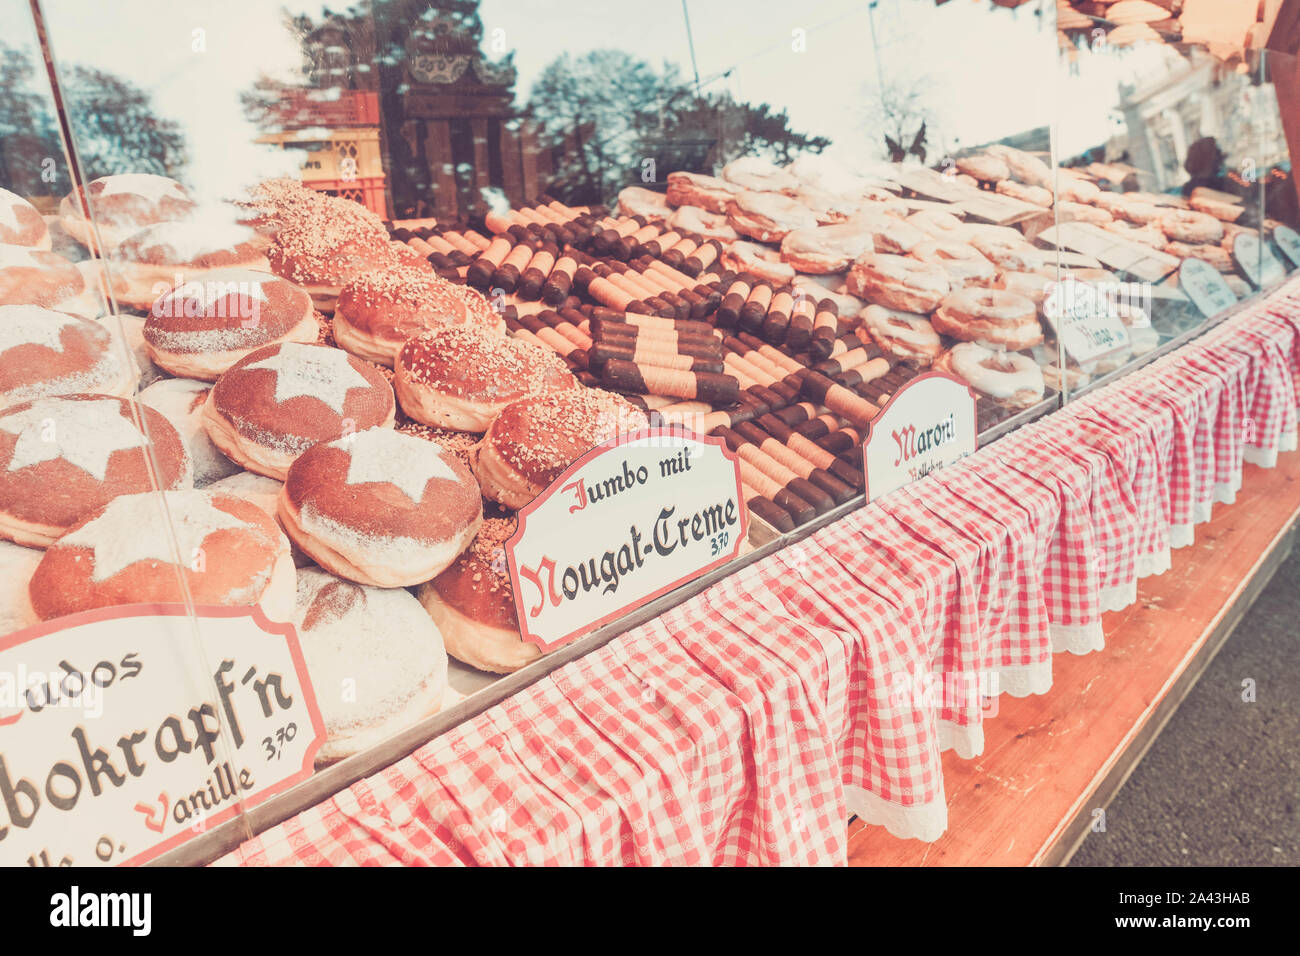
column 629, row 521
column 127, row 731
column 929, row 422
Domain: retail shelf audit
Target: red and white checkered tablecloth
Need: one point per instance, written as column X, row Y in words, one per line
column 745, row 725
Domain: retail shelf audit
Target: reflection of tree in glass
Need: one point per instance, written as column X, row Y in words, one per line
column 28, row 131
column 896, row 115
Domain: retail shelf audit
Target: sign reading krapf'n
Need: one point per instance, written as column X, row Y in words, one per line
column 629, row 521
column 929, row 423
column 127, row 731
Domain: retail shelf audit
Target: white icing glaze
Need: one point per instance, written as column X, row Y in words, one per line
column 1025, row 375
column 382, row 454
column 320, row 373
column 180, row 401
column 150, row 187
column 85, row 434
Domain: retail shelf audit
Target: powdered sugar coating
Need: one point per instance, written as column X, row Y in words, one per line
column 180, row 401
column 472, row 363
column 43, row 352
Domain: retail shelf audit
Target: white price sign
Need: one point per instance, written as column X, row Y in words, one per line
column 1206, row 287
column 1288, row 240
column 1086, row 323
column 629, row 521
column 930, row 422
column 122, row 736
column 1256, row 260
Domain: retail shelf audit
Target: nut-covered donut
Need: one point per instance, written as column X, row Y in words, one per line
column 991, row 316
column 639, row 201
column 826, row 249
column 31, row 276
column 532, row 441
column 899, row 282
column 904, row 335
column 181, row 401
column 155, row 260
column 380, row 643
column 323, row 255
column 378, row 311
column 1035, row 195
column 280, row 400
column 64, row 456
column 750, row 172
column 1008, row 378
column 121, row 205
column 767, row 217
column 462, row 377
column 1184, row 225
column 21, row 224
column 984, row 167
column 380, row 507
column 706, row 192
column 964, row 262
column 52, row 353
column 473, row 604
column 136, row 551
column 203, row 327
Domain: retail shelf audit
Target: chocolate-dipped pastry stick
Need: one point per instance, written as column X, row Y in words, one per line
column 604, row 315
column 774, row 470
column 703, row 422
column 839, row 490
column 644, row 354
column 702, row 258
column 713, row 387
column 769, row 511
column 801, row 324
column 559, row 281
column 776, row 323
column 733, row 300
column 535, row 273
column 482, row 269
column 506, row 276
column 800, row 510
column 670, row 405
column 570, row 331
column 677, row 253
column 826, row 328
column 755, row 307
column 837, row 398
column 811, row 452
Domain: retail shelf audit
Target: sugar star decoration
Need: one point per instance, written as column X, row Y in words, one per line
column 245, row 282
column 152, row 188
column 85, row 434
column 9, row 203
column 381, row 454
column 32, row 325
column 313, row 371
column 21, row 257
column 133, row 528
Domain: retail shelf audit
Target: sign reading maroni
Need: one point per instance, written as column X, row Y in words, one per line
column 929, row 423
column 632, row 519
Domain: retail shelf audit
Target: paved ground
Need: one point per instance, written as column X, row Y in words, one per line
column 1221, row 784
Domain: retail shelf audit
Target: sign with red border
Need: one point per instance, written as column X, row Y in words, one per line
column 127, row 731
column 928, row 423
column 629, row 521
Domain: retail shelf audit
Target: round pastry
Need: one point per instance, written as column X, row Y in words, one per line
column 705, row 192
column 904, row 335
column 828, row 208
column 1216, row 256
column 1184, row 225
column 826, row 249
column 1113, row 203
column 1139, row 213
column 966, row 179
column 1072, row 188
column 136, row 551
column 276, row 204
column 280, row 400
column 909, row 285
column 1067, row 211
column 1034, row 286
column 378, row 311
column 767, row 217
column 459, row 444
column 122, row 205
column 889, row 234
column 1200, row 201
column 375, row 658
column 323, row 255
column 1024, row 167
column 181, row 401
column 1008, row 378
column 21, row 224
column 989, row 316
column 128, row 336
column 249, row 486
column 381, row 508
column 750, row 172
column 638, row 201
column 64, row 456
column 53, row 353
column 846, row 305
column 985, row 168
column 1015, row 255
column 473, row 604
column 821, row 172
column 707, row 225
column 532, row 441
column 1149, row 235
column 203, row 327
column 17, row 564
column 962, row 261
column 157, row 259
column 462, row 377
column 759, row 261
column 31, row 276
column 1036, row 195
column 935, row 223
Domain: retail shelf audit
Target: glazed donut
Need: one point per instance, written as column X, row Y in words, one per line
column 1016, row 255
column 280, row 400
column 826, row 248
column 1024, row 167
column 891, row 235
column 323, row 255
column 1139, row 213
column 462, row 377
column 750, row 172
column 1067, row 211
column 34, row 277
column 1148, row 235
column 1202, row 202
column 1036, row 195
column 17, row 564
column 846, row 305
column 1008, row 378
column 122, row 205
column 1183, row 225
column 935, row 223
column 989, row 316
column 21, row 224
column 637, row 201
column 473, row 604
column 825, row 174
column 767, row 217
column 1113, row 203
column 964, row 262
column 707, row 225
column 758, row 260
column 458, row 443
column 227, row 551
column 705, row 192
column 532, row 441
column 966, row 179
column 985, row 168
column 378, row 311
column 180, row 401
column 1216, row 256
column 53, row 353
column 826, row 208
column 64, row 456
column 204, row 326
column 906, row 336
column 897, row 282
column 1034, row 286
column 157, row 259
column 1072, row 188
column 380, row 643
column 381, row 508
